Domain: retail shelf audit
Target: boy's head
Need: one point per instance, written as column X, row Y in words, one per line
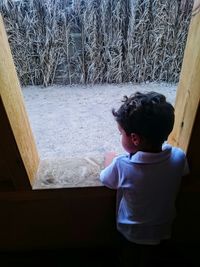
column 145, row 118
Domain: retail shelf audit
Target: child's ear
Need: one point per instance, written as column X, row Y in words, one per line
column 135, row 139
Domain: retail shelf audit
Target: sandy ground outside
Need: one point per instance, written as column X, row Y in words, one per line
column 76, row 122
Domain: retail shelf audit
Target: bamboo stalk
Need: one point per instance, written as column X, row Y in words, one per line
column 120, row 40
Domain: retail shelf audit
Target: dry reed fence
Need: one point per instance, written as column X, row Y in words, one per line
column 97, row 41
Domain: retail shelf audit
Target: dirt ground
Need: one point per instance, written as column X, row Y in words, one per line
column 71, row 121
column 76, row 122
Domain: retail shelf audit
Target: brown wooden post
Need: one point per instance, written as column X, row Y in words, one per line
column 19, row 158
column 188, row 93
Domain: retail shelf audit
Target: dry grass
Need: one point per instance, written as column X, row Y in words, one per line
column 97, row 41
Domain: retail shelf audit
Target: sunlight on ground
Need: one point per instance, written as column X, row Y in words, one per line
column 75, row 121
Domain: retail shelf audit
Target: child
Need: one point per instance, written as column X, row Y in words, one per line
column 147, row 179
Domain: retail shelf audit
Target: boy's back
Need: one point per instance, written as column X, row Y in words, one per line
column 148, row 178
column 147, row 186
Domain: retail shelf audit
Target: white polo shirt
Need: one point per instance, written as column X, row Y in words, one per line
column 147, row 185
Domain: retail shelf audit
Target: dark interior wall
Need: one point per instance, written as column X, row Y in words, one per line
column 13, row 174
column 78, row 217
column 186, row 227
column 50, row 219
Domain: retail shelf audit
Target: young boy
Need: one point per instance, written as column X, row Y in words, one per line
column 147, row 179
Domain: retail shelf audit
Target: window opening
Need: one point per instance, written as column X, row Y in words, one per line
column 97, row 48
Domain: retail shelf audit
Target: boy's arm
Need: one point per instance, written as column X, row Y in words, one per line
column 109, row 176
column 109, row 156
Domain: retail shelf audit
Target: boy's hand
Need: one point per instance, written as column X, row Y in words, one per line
column 109, row 156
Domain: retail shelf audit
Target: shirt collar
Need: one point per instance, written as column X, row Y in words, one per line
column 148, row 158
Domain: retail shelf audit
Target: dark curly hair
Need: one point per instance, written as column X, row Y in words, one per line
column 147, row 114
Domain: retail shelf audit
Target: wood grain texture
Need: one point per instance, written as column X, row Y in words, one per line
column 188, row 93
column 21, row 146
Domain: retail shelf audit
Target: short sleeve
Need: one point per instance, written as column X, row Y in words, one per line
column 109, row 176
